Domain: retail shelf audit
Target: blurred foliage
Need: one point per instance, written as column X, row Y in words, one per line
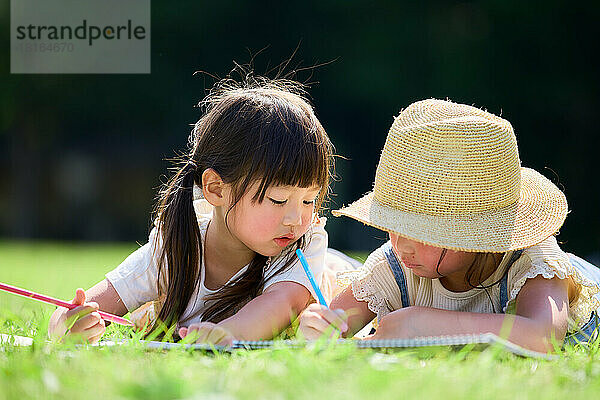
column 81, row 156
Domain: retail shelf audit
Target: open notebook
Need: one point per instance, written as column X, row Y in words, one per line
column 486, row 339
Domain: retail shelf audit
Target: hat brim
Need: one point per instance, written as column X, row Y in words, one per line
column 539, row 213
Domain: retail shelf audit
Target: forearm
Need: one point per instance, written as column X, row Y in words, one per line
column 268, row 314
column 358, row 312
column 424, row 321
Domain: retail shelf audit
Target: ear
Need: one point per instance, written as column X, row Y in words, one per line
column 214, row 189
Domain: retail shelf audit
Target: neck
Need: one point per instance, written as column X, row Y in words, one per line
column 224, row 254
column 458, row 281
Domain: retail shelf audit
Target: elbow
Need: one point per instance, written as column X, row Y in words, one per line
column 290, row 296
column 297, row 302
column 554, row 337
column 546, row 338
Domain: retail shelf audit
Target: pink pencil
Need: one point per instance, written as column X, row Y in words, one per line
column 60, row 303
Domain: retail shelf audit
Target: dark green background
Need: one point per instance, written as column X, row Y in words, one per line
column 81, row 156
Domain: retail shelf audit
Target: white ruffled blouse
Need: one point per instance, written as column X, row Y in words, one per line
column 375, row 284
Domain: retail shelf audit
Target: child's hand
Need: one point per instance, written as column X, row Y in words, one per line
column 317, row 320
column 82, row 322
column 405, row 323
column 207, row 332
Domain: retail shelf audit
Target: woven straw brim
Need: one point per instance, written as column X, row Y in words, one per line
column 539, row 213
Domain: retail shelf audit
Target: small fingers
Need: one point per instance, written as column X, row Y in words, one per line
column 220, row 336
column 202, row 335
column 316, row 322
column 81, row 326
column 208, row 333
column 71, row 317
column 97, row 331
column 79, row 298
column 82, row 310
column 199, row 331
column 335, row 318
column 90, row 334
column 310, row 333
column 87, row 322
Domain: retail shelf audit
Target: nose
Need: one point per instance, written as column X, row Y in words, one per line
column 402, row 245
column 293, row 216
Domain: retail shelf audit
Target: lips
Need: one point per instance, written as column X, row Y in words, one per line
column 284, row 240
column 410, row 265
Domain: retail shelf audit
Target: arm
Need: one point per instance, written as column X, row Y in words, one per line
column 358, row 312
column 541, row 318
column 345, row 313
column 280, row 303
column 88, row 323
column 261, row 318
column 270, row 313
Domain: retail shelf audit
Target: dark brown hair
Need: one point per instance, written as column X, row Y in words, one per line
column 477, row 267
column 259, row 130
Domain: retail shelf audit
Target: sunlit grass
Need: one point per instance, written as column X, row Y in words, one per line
column 63, row 371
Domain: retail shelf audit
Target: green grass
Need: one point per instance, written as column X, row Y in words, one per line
column 336, row 372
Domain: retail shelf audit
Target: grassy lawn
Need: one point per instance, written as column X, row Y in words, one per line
column 336, row 372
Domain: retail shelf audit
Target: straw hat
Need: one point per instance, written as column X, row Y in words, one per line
column 450, row 176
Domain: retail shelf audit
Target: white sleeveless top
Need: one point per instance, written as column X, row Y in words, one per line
column 376, row 285
column 135, row 279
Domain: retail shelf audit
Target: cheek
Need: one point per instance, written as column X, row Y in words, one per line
column 461, row 259
column 257, row 221
column 307, row 217
column 431, row 255
column 454, row 261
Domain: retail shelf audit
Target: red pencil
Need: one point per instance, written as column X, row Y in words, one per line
column 51, row 300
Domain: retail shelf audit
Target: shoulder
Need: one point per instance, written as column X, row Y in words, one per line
column 374, row 283
column 546, row 259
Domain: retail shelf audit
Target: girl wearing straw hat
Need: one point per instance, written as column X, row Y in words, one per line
column 472, row 246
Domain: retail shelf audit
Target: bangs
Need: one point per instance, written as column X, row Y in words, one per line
column 292, row 149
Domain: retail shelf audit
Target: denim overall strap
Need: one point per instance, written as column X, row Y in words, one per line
column 398, row 273
column 590, row 330
column 503, row 291
column 504, row 280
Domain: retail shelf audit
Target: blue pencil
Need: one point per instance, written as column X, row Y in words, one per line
column 311, row 277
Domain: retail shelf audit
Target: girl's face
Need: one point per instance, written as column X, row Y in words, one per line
column 283, row 217
column 423, row 259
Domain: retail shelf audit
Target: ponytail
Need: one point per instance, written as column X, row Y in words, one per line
column 180, row 255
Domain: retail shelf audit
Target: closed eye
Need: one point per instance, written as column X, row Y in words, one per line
column 277, row 202
column 309, row 202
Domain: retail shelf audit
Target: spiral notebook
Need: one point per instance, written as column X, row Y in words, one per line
column 486, row 339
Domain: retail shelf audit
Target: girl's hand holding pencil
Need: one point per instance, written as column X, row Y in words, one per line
column 207, row 332
column 78, row 317
column 317, row 320
column 82, row 322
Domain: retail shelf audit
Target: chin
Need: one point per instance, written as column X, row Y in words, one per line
column 269, row 252
column 425, row 275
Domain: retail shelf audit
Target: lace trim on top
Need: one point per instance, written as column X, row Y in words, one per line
column 364, row 287
column 558, row 265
